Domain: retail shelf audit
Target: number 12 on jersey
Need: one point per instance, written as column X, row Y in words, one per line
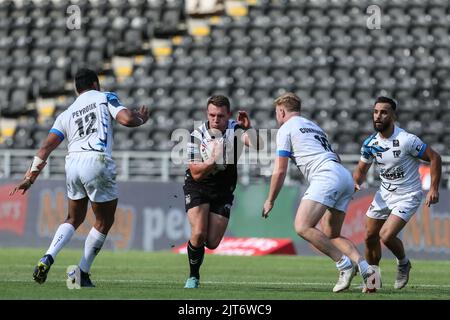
column 89, row 121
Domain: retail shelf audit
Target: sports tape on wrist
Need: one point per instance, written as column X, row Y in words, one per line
column 36, row 163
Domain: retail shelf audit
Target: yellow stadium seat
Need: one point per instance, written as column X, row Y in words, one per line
column 123, row 71
column 200, row 31
column 177, row 40
column 162, row 51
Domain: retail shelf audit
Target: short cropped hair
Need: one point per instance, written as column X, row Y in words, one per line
column 219, row 101
column 290, row 101
column 387, row 100
column 84, row 79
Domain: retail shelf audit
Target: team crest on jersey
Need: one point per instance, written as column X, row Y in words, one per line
column 187, row 198
column 396, row 143
column 397, row 153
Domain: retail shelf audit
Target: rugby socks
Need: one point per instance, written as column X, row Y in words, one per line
column 93, row 244
column 403, row 261
column 195, row 256
column 62, row 237
column 344, row 263
column 362, row 266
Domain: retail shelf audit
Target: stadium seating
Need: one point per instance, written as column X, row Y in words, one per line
column 322, row 50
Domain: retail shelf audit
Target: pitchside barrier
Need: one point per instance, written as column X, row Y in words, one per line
column 151, row 217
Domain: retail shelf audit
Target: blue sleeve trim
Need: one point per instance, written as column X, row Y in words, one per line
column 284, row 153
column 57, row 132
column 422, row 150
column 113, row 100
column 367, row 141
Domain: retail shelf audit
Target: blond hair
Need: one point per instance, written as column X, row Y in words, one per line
column 290, row 101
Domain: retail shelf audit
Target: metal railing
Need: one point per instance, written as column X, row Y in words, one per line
column 166, row 166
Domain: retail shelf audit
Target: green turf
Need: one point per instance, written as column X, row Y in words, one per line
column 144, row 275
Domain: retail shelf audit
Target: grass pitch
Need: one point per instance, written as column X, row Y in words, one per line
column 161, row 275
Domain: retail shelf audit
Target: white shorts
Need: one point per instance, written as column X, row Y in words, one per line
column 91, row 174
column 331, row 186
column 403, row 206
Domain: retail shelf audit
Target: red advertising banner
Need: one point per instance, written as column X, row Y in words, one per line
column 13, row 210
column 248, row 247
column 355, row 219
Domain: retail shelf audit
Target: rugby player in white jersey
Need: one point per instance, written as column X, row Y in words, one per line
column 396, row 153
column 90, row 169
column 328, row 195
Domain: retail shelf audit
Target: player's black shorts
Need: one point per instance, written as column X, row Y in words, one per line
column 219, row 203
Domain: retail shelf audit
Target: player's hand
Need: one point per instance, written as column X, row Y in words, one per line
column 216, row 147
column 357, row 187
column 432, row 197
column 268, row 205
column 243, row 120
column 24, row 185
column 143, row 113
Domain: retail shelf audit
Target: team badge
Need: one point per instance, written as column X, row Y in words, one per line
column 187, row 199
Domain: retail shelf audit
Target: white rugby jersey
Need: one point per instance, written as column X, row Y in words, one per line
column 306, row 144
column 397, row 159
column 87, row 123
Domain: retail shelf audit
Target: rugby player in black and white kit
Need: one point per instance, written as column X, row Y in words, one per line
column 211, row 178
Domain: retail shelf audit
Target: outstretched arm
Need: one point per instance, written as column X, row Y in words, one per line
column 360, row 173
column 250, row 137
column 130, row 118
column 39, row 162
column 435, row 170
column 276, row 182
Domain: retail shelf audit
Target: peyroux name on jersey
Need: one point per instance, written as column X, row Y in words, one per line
column 83, row 111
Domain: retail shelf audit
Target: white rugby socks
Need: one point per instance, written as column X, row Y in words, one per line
column 344, row 263
column 362, row 266
column 93, row 244
column 62, row 237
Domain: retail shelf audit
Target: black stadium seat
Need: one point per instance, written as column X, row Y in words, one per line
column 321, row 50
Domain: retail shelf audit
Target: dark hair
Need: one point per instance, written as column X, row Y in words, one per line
column 219, row 101
column 290, row 101
column 390, row 101
column 84, row 79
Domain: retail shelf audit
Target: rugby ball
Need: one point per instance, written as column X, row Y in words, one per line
column 206, row 149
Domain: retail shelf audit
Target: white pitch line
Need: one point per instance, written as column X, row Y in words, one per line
column 30, row 266
column 230, row 282
column 312, row 284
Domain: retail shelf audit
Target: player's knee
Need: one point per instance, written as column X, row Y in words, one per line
column 301, row 230
column 386, row 236
column 198, row 237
